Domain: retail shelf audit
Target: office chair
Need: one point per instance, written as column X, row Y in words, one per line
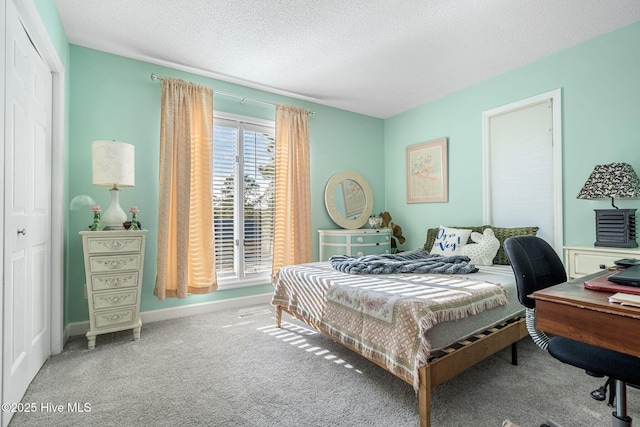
column 537, row 266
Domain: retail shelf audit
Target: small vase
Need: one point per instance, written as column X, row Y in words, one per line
column 134, row 222
column 96, row 222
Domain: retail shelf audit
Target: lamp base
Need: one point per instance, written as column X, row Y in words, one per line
column 616, row 228
column 114, row 217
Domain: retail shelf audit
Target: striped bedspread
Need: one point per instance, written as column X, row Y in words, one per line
column 384, row 317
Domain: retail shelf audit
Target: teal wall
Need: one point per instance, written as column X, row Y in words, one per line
column 113, row 97
column 600, row 83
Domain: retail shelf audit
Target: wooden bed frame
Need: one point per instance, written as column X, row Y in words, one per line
column 449, row 363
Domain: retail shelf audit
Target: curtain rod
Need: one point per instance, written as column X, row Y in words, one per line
column 154, row 76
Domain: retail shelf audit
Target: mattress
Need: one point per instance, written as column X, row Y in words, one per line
column 444, row 334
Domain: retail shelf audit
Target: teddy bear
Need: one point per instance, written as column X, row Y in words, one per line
column 484, row 249
column 396, row 230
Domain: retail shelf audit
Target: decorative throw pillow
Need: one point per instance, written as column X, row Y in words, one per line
column 503, row 234
column 432, row 232
column 484, row 249
column 449, row 241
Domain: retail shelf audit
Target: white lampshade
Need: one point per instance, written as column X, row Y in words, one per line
column 113, row 166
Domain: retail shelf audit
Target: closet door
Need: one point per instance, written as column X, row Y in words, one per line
column 27, row 212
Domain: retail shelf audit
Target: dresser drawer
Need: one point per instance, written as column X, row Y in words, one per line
column 333, row 239
column 106, row 319
column 585, row 263
column 107, row 245
column 101, row 282
column 111, row 263
column 369, row 250
column 370, row 239
column 586, row 259
column 329, row 250
column 114, row 299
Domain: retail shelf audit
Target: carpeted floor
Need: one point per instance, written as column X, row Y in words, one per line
column 233, row 368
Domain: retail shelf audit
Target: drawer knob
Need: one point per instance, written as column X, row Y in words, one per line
column 360, row 239
column 359, row 254
column 23, row 232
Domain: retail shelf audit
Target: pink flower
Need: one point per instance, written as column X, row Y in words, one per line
column 134, row 209
column 96, row 208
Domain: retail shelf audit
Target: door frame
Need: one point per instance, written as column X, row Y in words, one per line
column 32, row 22
column 555, row 96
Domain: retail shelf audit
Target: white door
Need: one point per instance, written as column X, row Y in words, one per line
column 27, row 212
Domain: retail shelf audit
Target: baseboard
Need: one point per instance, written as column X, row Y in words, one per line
column 203, row 308
column 81, row 328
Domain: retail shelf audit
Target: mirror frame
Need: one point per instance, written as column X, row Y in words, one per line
column 329, row 200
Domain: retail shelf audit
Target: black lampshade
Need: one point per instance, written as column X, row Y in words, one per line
column 614, row 227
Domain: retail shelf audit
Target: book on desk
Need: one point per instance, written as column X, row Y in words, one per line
column 625, row 299
column 602, row 283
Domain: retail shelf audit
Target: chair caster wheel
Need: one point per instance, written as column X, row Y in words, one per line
column 599, row 394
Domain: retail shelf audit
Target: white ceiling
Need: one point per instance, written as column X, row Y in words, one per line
column 375, row 57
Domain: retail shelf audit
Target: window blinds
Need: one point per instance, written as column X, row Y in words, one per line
column 521, row 162
column 243, row 169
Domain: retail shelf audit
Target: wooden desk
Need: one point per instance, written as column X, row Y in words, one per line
column 571, row 311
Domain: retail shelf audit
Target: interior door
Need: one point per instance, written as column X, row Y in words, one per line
column 27, row 212
column 523, row 166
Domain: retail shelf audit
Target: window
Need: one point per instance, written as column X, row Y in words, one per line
column 243, row 182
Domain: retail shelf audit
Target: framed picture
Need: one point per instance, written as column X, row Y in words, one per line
column 427, row 172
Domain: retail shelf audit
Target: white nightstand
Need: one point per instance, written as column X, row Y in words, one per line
column 582, row 260
column 113, row 263
column 354, row 242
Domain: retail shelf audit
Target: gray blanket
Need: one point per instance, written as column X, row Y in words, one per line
column 418, row 261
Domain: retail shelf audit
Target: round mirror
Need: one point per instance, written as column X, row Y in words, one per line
column 348, row 199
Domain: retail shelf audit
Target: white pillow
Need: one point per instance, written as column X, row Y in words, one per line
column 449, row 241
column 484, row 249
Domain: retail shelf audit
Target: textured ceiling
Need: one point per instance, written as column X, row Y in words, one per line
column 375, row 57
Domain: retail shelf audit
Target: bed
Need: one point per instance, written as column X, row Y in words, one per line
column 423, row 328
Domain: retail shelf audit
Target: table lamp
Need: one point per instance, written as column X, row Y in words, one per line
column 113, row 166
column 614, row 227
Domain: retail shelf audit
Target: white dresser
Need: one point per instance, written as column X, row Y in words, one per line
column 113, row 263
column 583, row 260
column 354, row 242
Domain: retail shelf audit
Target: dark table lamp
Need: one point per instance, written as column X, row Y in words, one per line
column 614, row 227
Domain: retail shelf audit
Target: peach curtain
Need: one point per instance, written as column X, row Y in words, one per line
column 186, row 257
column 292, row 228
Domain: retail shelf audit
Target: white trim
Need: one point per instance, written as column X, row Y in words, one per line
column 556, row 101
column 81, row 328
column 225, row 283
column 4, row 418
column 32, row 22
